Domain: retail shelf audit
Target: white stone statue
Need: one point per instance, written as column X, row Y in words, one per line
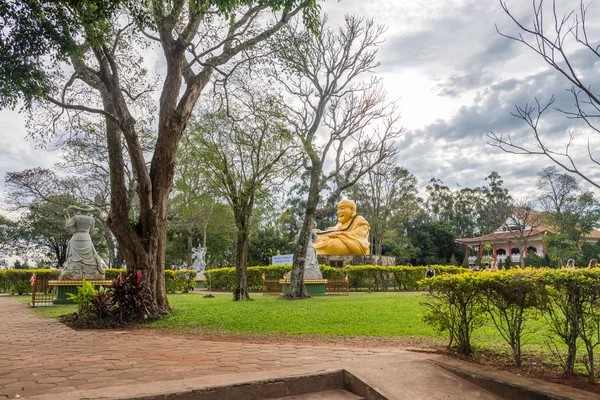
column 199, row 264
column 311, row 265
column 82, row 260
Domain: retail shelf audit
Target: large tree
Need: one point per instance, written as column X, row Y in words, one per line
column 469, row 212
column 572, row 211
column 386, row 191
column 341, row 121
column 245, row 156
column 104, row 77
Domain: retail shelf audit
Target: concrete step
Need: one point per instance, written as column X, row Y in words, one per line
column 326, row 395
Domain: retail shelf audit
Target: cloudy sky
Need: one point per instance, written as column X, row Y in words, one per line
column 456, row 79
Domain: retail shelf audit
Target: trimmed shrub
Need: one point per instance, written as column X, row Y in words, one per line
column 371, row 277
column 3, row 284
column 112, row 273
column 179, row 281
column 455, row 304
column 510, row 299
column 20, row 288
column 20, row 278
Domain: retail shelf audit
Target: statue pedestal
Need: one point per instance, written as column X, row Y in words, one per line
column 200, row 283
column 63, row 287
column 341, row 260
column 314, row 287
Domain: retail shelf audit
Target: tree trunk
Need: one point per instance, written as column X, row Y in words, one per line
column 297, row 288
column 112, row 247
column 241, row 265
column 190, row 244
column 140, row 252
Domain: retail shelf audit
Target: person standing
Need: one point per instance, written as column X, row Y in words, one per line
column 430, row 272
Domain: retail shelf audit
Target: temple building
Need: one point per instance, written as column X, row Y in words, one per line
column 523, row 229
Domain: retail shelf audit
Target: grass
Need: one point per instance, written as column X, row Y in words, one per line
column 360, row 314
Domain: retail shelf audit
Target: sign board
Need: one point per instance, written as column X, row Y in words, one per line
column 283, row 259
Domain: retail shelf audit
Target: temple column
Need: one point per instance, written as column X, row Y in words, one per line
column 510, row 251
column 480, row 251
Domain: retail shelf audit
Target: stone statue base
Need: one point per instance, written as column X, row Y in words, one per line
column 79, row 271
column 341, row 260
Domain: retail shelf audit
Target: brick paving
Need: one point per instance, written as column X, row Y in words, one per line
column 41, row 355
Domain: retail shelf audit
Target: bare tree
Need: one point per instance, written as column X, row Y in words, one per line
column 552, row 38
column 522, row 224
column 339, row 120
column 381, row 194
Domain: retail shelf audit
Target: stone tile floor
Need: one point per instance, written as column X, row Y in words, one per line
column 43, row 356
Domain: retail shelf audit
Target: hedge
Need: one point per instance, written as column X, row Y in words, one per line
column 372, row 277
column 567, row 299
column 175, row 281
column 11, row 278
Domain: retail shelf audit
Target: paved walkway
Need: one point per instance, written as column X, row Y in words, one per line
column 41, row 355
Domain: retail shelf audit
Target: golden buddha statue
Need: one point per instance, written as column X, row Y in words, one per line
column 349, row 236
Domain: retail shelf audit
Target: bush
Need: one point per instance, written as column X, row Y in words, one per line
column 455, row 305
column 12, row 276
column 112, row 273
column 3, row 283
column 224, row 278
column 179, row 281
column 100, row 305
column 371, row 277
column 84, row 295
column 510, row 298
column 20, row 288
column 132, row 297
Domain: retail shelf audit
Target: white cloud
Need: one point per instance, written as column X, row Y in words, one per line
column 456, row 79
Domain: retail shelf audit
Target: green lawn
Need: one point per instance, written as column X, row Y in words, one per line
column 360, row 314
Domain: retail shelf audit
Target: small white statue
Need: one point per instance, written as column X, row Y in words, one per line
column 199, row 264
column 311, row 264
column 82, row 262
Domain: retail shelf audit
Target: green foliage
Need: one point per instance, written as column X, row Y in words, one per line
column 453, row 261
column 567, row 299
column 132, row 297
column 20, row 288
column 10, row 277
column 100, row 304
column 563, row 310
column 455, row 304
column 224, row 278
column 533, row 260
column 179, row 281
column 435, row 242
column 510, row 300
column 84, row 295
column 560, row 249
column 112, row 273
column 372, row 277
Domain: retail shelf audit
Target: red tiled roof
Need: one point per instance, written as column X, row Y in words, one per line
column 500, row 236
column 503, row 236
